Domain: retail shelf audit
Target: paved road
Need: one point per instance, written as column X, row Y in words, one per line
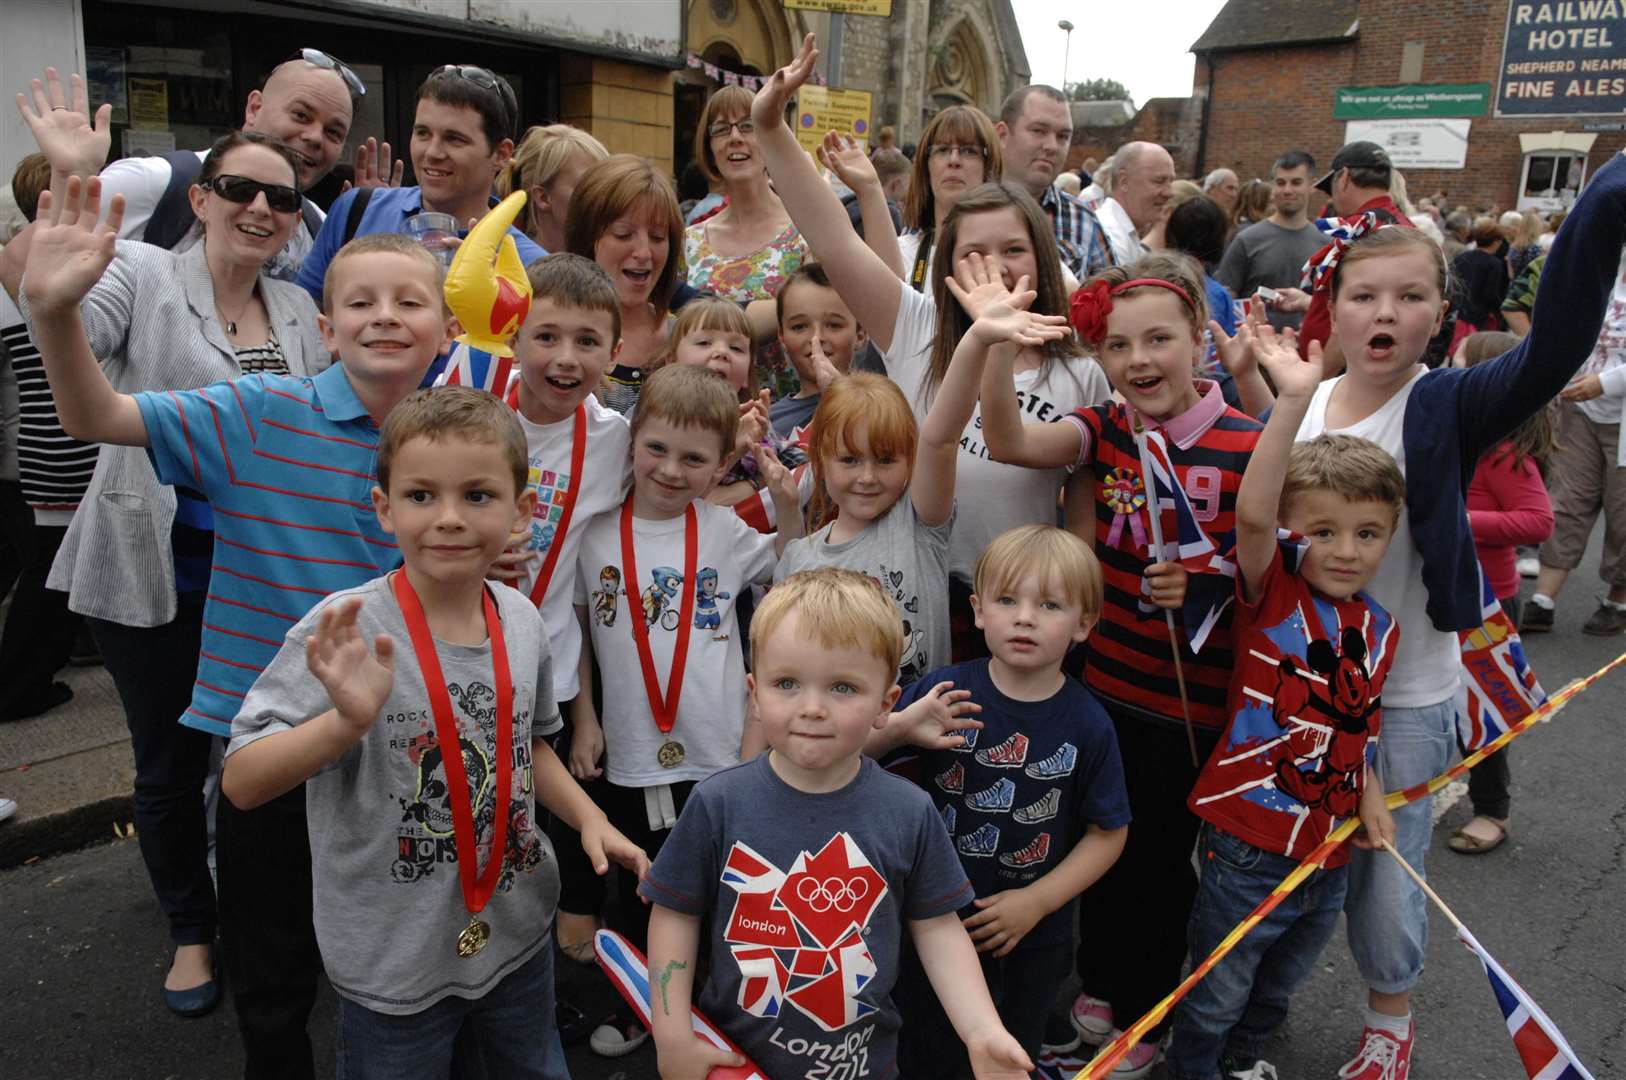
column 85, row 948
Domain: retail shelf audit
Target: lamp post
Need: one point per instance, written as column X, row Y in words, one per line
column 1066, row 50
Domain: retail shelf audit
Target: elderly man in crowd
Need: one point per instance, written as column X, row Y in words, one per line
column 1222, row 186
column 1142, row 185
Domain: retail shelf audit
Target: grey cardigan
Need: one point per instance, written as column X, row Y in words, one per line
column 151, row 322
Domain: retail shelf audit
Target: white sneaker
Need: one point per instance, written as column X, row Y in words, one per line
column 1260, row 1070
column 1529, row 566
column 8, row 807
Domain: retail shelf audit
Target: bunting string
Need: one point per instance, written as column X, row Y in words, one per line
column 1109, row 1056
column 752, row 83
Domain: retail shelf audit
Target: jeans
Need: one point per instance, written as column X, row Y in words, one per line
column 267, row 940
column 1387, row 912
column 1226, row 1020
column 153, row 669
column 1023, row 985
column 496, row 1036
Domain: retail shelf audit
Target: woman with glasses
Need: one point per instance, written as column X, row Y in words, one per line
column 747, row 249
column 958, row 151
column 136, row 559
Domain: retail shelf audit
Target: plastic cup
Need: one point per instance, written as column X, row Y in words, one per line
column 436, row 232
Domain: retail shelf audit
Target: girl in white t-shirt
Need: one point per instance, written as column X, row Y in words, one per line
column 918, row 332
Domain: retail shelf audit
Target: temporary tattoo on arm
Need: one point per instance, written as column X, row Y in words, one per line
column 665, row 977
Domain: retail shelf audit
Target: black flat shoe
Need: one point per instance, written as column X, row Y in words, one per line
column 194, row 1002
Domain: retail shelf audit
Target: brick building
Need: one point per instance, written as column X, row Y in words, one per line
column 1269, row 71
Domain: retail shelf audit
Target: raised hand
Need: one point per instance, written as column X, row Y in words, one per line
column 825, row 371
column 356, row 680
column 768, row 107
column 63, row 128
column 1279, row 356
column 779, row 480
column 845, row 156
column 939, row 718
column 1001, row 314
column 373, row 166
column 70, row 252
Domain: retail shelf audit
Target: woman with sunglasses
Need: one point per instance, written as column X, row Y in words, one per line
column 747, row 249
column 136, row 558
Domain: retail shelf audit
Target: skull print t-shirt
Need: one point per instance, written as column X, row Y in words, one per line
column 1305, row 712
column 808, row 904
column 388, row 904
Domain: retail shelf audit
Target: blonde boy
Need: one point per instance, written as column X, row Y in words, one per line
column 849, row 857
column 1034, row 801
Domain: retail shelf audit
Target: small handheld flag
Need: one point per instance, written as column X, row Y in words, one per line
column 1541, row 1047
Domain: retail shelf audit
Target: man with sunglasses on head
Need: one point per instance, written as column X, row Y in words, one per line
column 307, row 101
column 462, row 136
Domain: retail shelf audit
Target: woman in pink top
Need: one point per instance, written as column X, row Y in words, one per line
column 1507, row 506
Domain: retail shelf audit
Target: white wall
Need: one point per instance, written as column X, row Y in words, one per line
column 34, row 35
column 651, row 27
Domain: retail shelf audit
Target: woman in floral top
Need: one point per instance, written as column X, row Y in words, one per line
column 746, row 250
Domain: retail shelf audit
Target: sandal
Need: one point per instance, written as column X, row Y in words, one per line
column 1465, row 843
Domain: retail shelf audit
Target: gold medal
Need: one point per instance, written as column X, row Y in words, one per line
column 473, row 937
column 670, row 755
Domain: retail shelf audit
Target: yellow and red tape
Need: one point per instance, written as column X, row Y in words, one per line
column 1112, row 1053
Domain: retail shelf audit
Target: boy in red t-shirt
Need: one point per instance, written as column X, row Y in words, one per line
column 1312, row 653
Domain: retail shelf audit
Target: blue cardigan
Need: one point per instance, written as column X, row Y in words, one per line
column 1454, row 415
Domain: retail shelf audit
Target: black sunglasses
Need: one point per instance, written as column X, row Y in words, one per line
column 240, row 189
column 332, row 63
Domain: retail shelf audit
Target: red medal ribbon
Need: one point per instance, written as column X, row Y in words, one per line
column 578, row 455
column 476, row 891
column 664, row 706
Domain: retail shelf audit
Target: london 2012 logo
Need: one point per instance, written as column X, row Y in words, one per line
column 798, row 936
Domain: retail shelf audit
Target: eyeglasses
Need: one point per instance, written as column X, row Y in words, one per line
column 943, row 150
column 332, row 63
column 240, row 189
column 722, row 127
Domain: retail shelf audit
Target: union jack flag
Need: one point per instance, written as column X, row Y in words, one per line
column 1212, row 570
column 1541, row 1047
column 1500, row 689
column 468, row 366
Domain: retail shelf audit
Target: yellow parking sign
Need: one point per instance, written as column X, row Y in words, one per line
column 824, row 108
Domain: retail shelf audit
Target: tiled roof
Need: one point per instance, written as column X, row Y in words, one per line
column 1247, row 24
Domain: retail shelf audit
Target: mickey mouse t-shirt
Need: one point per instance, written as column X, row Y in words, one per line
column 809, row 895
column 1305, row 712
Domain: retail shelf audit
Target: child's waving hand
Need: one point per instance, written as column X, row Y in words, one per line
column 1000, row 313
column 356, row 680
column 844, row 156
column 1279, row 356
column 768, row 107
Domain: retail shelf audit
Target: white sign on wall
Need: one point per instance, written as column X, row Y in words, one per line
column 1415, row 144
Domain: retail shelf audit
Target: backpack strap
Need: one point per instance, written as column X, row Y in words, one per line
column 358, row 207
column 312, row 217
column 172, row 218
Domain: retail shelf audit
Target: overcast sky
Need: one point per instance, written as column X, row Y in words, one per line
column 1141, row 44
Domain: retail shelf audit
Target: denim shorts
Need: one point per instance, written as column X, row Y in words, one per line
column 1387, row 912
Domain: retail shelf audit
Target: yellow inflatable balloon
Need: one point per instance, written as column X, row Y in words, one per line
column 486, row 288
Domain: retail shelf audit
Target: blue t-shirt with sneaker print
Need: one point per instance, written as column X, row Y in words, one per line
column 1019, row 795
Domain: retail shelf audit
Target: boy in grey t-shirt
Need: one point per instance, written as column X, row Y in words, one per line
column 415, row 705
column 812, row 862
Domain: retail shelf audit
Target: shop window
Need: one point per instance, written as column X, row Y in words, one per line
column 1552, row 179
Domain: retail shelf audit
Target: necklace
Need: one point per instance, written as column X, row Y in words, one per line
column 231, row 324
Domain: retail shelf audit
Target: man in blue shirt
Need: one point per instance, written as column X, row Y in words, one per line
column 462, row 137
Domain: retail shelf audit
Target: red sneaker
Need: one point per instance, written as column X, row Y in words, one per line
column 1381, row 1057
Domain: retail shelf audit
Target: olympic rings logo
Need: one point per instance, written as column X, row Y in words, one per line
column 832, row 892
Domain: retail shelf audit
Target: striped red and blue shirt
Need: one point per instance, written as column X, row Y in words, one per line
column 288, row 466
column 1130, row 663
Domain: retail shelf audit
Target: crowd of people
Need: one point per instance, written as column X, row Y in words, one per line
column 920, row 703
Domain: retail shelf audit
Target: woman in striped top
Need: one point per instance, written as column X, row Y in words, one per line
column 136, row 558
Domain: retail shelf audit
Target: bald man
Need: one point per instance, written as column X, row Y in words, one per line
column 1141, row 188
column 306, row 104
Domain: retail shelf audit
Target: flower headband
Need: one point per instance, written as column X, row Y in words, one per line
column 1093, row 303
